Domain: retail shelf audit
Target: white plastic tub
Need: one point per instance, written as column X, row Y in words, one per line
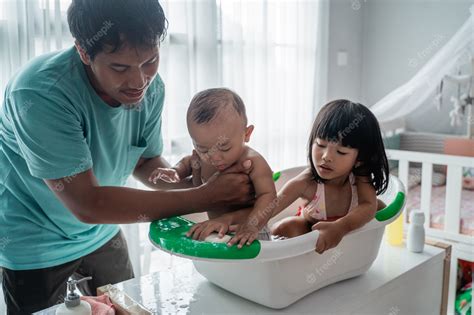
column 285, row 271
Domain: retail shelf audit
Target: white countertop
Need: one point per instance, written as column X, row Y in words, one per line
column 182, row 290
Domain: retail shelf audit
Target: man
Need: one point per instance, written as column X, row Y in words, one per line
column 74, row 125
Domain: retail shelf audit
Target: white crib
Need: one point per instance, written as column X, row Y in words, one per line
column 462, row 245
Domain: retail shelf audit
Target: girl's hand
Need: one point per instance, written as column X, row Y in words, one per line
column 200, row 231
column 169, row 175
column 246, row 234
column 330, row 234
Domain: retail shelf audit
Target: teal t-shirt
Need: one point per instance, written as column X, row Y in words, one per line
column 54, row 125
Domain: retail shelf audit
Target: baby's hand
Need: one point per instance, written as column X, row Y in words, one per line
column 169, row 175
column 330, row 234
column 200, row 231
column 247, row 233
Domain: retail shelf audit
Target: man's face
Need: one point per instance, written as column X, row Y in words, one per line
column 123, row 75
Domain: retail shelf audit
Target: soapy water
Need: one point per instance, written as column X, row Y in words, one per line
column 170, row 291
column 178, row 299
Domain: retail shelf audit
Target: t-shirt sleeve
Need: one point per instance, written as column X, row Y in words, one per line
column 152, row 131
column 49, row 134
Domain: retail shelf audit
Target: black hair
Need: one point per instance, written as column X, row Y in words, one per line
column 97, row 23
column 353, row 125
column 205, row 105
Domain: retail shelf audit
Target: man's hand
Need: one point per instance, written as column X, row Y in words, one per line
column 232, row 187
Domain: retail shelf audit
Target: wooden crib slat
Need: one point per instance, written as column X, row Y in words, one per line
column 453, row 199
column 426, row 184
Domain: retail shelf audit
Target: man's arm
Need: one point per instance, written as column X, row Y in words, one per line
column 94, row 204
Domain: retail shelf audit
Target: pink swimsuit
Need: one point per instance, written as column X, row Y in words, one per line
column 316, row 208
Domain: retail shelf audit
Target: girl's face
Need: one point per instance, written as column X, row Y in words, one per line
column 333, row 160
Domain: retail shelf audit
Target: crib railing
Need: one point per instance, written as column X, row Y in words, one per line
column 452, row 212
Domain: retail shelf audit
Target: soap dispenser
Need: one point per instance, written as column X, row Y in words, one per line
column 72, row 303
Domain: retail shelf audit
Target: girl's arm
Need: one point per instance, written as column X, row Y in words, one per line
column 331, row 233
column 268, row 203
column 365, row 210
column 291, row 191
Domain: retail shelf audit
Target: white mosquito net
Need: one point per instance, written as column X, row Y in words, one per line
column 433, row 87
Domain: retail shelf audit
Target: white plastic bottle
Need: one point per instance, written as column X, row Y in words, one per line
column 72, row 303
column 416, row 232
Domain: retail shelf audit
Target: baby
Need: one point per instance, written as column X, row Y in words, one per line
column 217, row 124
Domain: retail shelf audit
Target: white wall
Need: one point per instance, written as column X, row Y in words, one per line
column 345, row 34
column 388, row 41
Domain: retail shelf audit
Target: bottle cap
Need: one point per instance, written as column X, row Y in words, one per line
column 73, row 299
column 417, row 217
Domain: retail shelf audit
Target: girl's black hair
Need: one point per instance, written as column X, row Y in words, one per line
column 353, row 125
column 97, row 23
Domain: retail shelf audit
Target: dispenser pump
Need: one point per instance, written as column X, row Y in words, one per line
column 72, row 302
column 73, row 299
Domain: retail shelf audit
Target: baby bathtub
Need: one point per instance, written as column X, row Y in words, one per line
column 279, row 273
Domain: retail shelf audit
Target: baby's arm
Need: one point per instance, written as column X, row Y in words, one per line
column 186, row 167
column 265, row 194
column 331, row 233
column 221, row 225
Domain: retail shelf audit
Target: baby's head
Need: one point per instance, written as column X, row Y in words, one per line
column 217, row 123
column 346, row 138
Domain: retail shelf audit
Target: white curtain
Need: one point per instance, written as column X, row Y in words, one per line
column 272, row 53
column 29, row 28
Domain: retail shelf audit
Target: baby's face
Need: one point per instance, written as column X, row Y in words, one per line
column 220, row 142
column 333, row 160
